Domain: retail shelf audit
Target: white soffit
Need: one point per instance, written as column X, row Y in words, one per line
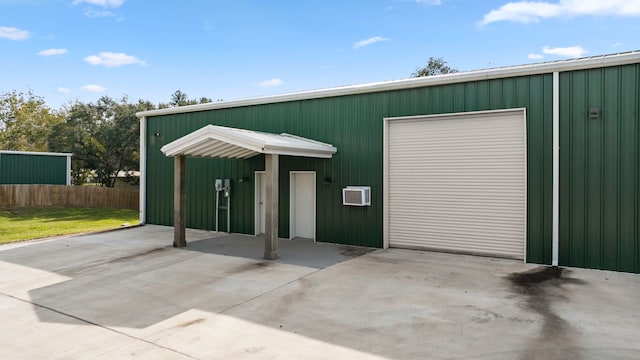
column 231, row 143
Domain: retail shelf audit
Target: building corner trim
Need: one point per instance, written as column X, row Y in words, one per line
column 69, row 170
column 556, row 170
column 142, row 206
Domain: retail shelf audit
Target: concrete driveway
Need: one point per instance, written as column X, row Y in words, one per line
column 125, row 294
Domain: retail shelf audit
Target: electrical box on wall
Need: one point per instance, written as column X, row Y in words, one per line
column 356, row 196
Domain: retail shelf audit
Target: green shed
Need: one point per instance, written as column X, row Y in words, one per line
column 26, row 167
column 536, row 162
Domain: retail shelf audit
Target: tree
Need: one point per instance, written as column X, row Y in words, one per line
column 120, row 137
column 25, row 122
column 104, row 137
column 77, row 134
column 434, row 66
column 179, row 98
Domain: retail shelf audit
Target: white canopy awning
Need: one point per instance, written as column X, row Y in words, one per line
column 231, row 143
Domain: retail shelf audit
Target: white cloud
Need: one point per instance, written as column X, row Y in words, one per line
column 616, row 44
column 64, row 90
column 523, row 11
column 369, row 41
column 424, row 2
column 98, row 13
column 571, row 51
column 534, row 11
column 12, row 33
column 110, row 59
column 103, row 3
column 51, row 52
column 93, row 88
column 535, row 56
column 271, row 83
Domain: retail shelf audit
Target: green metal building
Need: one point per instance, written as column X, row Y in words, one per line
column 26, row 167
column 537, row 162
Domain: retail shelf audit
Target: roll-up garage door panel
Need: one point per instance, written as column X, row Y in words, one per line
column 458, row 183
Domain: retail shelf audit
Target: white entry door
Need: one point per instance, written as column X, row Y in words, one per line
column 260, row 191
column 303, row 204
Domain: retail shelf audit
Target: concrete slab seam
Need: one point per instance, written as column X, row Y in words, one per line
column 98, row 325
column 268, row 292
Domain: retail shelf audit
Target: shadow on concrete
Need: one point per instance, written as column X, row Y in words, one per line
column 397, row 304
column 135, row 278
column 301, row 252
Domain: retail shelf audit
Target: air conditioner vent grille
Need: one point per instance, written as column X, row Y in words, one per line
column 356, row 196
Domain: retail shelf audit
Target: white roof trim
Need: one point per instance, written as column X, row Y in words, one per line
column 486, row 74
column 34, row 153
column 230, row 143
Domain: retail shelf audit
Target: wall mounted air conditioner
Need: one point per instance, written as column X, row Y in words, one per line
column 356, row 196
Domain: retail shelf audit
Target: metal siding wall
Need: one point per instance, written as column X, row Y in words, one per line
column 354, row 125
column 33, row 169
column 600, row 164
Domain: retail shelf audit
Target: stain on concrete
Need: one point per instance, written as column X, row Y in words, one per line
column 247, row 267
column 95, row 265
column 520, row 320
column 188, row 323
column 138, row 255
column 290, row 300
column 484, row 316
column 255, row 350
column 354, row 251
column 481, row 316
column 533, row 282
column 539, row 289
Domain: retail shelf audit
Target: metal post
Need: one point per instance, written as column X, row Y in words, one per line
column 179, row 199
column 272, row 168
column 217, row 208
column 229, row 211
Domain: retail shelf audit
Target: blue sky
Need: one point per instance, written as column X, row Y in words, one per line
column 65, row 50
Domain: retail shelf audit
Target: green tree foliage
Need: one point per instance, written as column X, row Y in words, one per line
column 78, row 135
column 104, row 137
column 25, row 122
column 434, row 66
column 179, row 98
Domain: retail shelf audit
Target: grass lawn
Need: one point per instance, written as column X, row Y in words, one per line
column 34, row 223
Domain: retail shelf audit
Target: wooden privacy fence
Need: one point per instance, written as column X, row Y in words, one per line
column 16, row 196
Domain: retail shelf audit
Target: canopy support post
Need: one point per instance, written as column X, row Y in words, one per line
column 179, row 199
column 272, row 167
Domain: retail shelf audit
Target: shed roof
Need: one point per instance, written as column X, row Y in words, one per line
column 591, row 62
column 13, row 152
column 231, row 143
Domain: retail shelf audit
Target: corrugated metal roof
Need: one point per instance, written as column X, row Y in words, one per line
column 231, row 143
column 631, row 57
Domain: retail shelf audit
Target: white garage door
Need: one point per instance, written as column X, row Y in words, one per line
column 458, row 183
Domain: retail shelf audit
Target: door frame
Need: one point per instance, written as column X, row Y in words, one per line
column 292, row 199
column 256, row 200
